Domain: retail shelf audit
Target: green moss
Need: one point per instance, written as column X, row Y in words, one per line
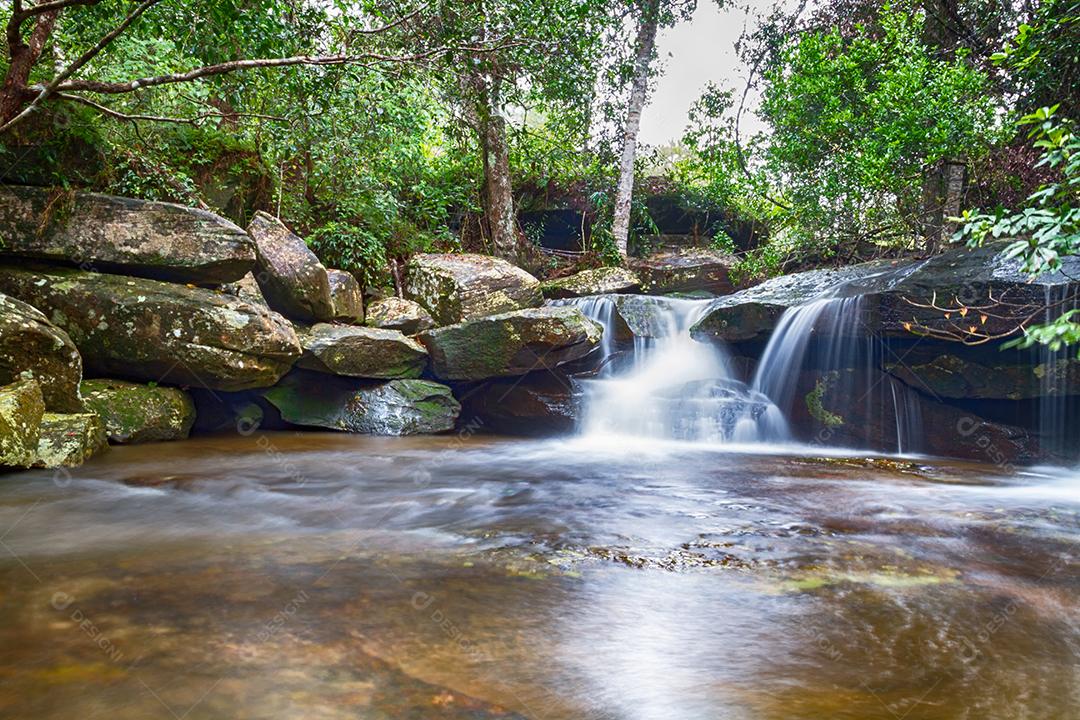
column 21, row 409
column 814, row 401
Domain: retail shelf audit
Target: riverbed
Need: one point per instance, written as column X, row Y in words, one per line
column 312, row 575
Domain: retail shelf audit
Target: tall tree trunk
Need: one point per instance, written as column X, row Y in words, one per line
column 498, row 191
column 646, row 46
column 23, row 56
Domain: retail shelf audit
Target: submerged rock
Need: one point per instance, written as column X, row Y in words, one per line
column 458, row 287
column 291, row 278
column 135, row 413
column 29, row 343
column 692, row 270
column 346, row 297
column 106, row 233
column 68, row 440
column 513, row 343
column 537, row 404
column 361, row 352
column 397, row 407
column 21, row 409
column 394, row 313
column 599, row 281
column 158, row 331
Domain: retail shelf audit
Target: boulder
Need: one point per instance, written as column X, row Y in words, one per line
column 135, row 413
column 394, row 313
column 537, row 404
column 599, row 281
column 397, row 407
column 361, row 352
column 70, row 439
column 158, row 331
column 346, row 297
column 459, row 287
column 21, row 409
column 247, row 289
column 29, row 343
column 689, row 270
column 291, row 278
column 114, row 234
column 949, row 376
column 513, row 343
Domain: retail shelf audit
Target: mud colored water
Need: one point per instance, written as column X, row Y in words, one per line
column 329, row 576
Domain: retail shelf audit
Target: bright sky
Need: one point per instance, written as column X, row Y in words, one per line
column 694, row 54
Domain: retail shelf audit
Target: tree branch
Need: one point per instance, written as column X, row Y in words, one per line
column 45, row 7
column 161, row 118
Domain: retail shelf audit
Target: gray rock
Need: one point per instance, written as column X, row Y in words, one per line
column 346, row 297
column 114, row 234
column 291, row 278
column 537, row 404
column 393, row 313
column 690, row 270
column 457, row 287
column 247, row 289
column 599, row 281
column 21, row 410
column 70, row 439
column 29, row 343
column 361, row 352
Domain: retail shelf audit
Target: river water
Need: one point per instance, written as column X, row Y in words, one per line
column 319, row 575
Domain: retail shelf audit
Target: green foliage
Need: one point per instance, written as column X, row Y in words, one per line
column 351, row 248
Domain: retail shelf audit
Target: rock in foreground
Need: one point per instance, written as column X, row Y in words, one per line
column 101, row 232
column 135, row 413
column 291, row 278
column 157, row 331
column 599, row 281
column 395, row 313
column 397, row 407
column 346, row 297
column 537, row 404
column 21, row 410
column 361, row 352
column 459, row 287
column 30, row 343
column 68, row 440
column 512, row 343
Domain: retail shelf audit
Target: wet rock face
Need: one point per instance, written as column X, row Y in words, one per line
column 346, row 297
column 537, row 404
column 21, row 409
column 68, row 440
column 949, row 376
column 157, row 331
column 29, row 343
column 393, row 313
column 291, row 278
column 599, row 281
column 361, row 352
column 695, row 270
column 397, row 407
column 135, row 413
column 458, row 287
column 114, row 234
column 513, row 343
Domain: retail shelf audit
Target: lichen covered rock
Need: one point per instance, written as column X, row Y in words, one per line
column 458, row 287
column 692, row 270
column 512, row 343
column 346, row 297
column 135, row 413
column 70, row 439
column 21, row 409
column 598, row 281
column 397, row 407
column 247, row 289
column 394, row 313
column 115, row 234
column 361, row 352
column 29, row 343
column 158, row 331
column 291, row 278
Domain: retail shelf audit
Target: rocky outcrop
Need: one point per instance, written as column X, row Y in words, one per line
column 397, row 407
column 21, row 409
column 459, row 287
column 361, row 352
column 599, row 281
column 538, row 404
column 157, row 331
column 29, row 343
column 677, row 271
column 135, row 413
column 949, row 376
column 70, row 439
column 114, row 234
column 247, row 289
column 291, row 278
column 393, row 313
column 346, row 297
column 513, row 343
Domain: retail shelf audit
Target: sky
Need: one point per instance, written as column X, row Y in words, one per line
column 694, row 53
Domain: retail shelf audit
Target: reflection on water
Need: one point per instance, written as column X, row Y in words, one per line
column 332, row 576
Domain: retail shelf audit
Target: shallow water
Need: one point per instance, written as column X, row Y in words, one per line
column 334, row 576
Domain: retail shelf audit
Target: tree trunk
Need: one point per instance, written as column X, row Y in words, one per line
column 23, row 56
column 646, row 46
column 498, row 195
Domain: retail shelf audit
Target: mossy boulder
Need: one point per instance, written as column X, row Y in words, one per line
column 513, row 343
column 291, row 278
column 158, row 331
column 689, row 270
column 29, row 343
column 115, row 234
column 394, row 313
column 599, row 281
column 361, row 352
column 397, row 407
column 458, row 287
column 21, row 409
column 70, row 439
column 135, row 413
column 346, row 297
